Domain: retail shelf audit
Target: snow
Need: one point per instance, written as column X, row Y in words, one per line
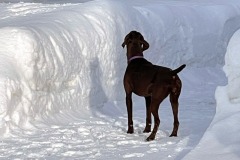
column 61, row 70
column 223, row 132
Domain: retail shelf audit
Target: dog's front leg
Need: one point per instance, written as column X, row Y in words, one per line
column 129, row 110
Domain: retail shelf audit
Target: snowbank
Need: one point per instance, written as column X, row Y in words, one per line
column 56, row 60
column 231, row 68
column 222, row 137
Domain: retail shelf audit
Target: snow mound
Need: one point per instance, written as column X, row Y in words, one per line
column 48, row 66
column 222, row 137
column 231, row 68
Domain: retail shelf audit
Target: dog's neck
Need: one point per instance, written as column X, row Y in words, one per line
column 134, row 57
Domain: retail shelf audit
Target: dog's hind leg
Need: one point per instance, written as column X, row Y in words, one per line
column 174, row 95
column 154, row 109
column 148, row 115
column 160, row 94
column 174, row 102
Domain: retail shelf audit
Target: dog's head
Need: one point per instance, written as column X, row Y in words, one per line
column 133, row 37
column 135, row 44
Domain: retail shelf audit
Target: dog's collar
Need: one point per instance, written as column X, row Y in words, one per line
column 134, row 57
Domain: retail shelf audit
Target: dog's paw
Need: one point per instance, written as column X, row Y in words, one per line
column 173, row 135
column 130, row 130
column 151, row 137
column 147, row 130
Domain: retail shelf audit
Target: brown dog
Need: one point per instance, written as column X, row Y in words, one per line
column 153, row 82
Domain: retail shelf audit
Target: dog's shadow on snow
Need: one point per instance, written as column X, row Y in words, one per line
column 97, row 96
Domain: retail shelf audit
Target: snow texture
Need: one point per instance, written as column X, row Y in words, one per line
column 61, row 70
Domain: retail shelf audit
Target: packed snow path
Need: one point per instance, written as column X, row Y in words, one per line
column 103, row 136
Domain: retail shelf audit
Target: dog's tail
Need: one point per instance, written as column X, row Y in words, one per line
column 179, row 69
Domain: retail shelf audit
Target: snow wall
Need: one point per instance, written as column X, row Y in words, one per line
column 231, row 69
column 68, row 57
column 222, row 137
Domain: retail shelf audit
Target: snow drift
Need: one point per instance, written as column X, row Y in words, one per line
column 46, row 59
column 222, row 137
column 231, row 68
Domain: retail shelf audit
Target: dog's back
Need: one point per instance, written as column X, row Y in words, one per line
column 141, row 74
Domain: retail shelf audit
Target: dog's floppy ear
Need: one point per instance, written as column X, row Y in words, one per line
column 125, row 41
column 123, row 44
column 144, row 43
